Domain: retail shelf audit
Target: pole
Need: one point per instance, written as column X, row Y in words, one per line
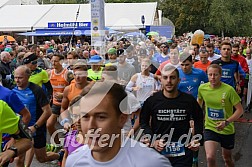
column 77, row 15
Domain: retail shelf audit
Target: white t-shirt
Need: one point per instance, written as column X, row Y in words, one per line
column 249, row 62
column 215, row 57
column 130, row 60
column 147, row 85
column 132, row 154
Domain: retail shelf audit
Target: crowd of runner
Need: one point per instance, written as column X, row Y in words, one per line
column 173, row 88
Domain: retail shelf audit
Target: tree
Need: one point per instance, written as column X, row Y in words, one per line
column 128, row 1
column 231, row 17
column 187, row 15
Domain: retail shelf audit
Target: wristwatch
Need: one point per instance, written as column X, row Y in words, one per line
column 227, row 123
column 36, row 126
column 13, row 148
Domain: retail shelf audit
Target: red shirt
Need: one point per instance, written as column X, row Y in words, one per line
column 243, row 63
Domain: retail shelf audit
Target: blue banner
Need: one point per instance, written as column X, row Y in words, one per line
column 69, row 24
column 167, row 31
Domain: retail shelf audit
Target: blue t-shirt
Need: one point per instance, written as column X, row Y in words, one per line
column 241, row 72
column 34, row 98
column 161, row 59
column 217, row 51
column 228, row 71
column 189, row 83
column 11, row 99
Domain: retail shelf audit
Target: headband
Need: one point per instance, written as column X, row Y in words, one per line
column 30, row 58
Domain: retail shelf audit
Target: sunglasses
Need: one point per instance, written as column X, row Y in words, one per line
column 80, row 74
column 34, row 62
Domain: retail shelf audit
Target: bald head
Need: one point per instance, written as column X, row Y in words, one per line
column 24, row 69
column 5, row 57
column 21, row 76
column 248, row 53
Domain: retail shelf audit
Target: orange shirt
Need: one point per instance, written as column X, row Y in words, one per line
column 201, row 66
column 73, row 92
column 58, row 82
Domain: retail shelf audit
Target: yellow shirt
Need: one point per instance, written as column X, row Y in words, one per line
column 8, row 120
column 39, row 76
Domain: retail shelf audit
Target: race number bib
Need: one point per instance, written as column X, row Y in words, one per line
column 215, row 114
column 174, row 149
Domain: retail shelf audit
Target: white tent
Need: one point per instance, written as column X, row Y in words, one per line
column 9, row 2
column 128, row 15
column 18, row 2
column 64, row 13
column 21, row 17
column 29, row 2
column 118, row 16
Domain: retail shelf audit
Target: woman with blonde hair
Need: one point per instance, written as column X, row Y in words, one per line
column 143, row 83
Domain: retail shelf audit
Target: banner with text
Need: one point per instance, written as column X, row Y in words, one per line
column 97, row 23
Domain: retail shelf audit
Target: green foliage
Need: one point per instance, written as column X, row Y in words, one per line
column 128, row 1
column 230, row 17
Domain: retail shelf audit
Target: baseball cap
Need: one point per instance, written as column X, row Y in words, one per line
column 112, row 51
column 48, row 51
column 169, row 41
column 8, row 49
column 120, row 52
column 95, row 59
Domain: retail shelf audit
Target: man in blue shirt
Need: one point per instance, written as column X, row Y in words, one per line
column 34, row 98
column 163, row 55
column 190, row 77
column 230, row 68
column 190, row 80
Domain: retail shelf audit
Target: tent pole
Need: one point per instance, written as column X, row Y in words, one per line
column 32, row 39
column 32, row 36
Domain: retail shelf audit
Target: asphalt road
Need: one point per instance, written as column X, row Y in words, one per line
column 242, row 152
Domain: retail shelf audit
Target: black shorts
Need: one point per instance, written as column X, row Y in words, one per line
column 56, row 109
column 226, row 141
column 40, row 138
column 246, row 83
column 241, row 94
column 183, row 161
